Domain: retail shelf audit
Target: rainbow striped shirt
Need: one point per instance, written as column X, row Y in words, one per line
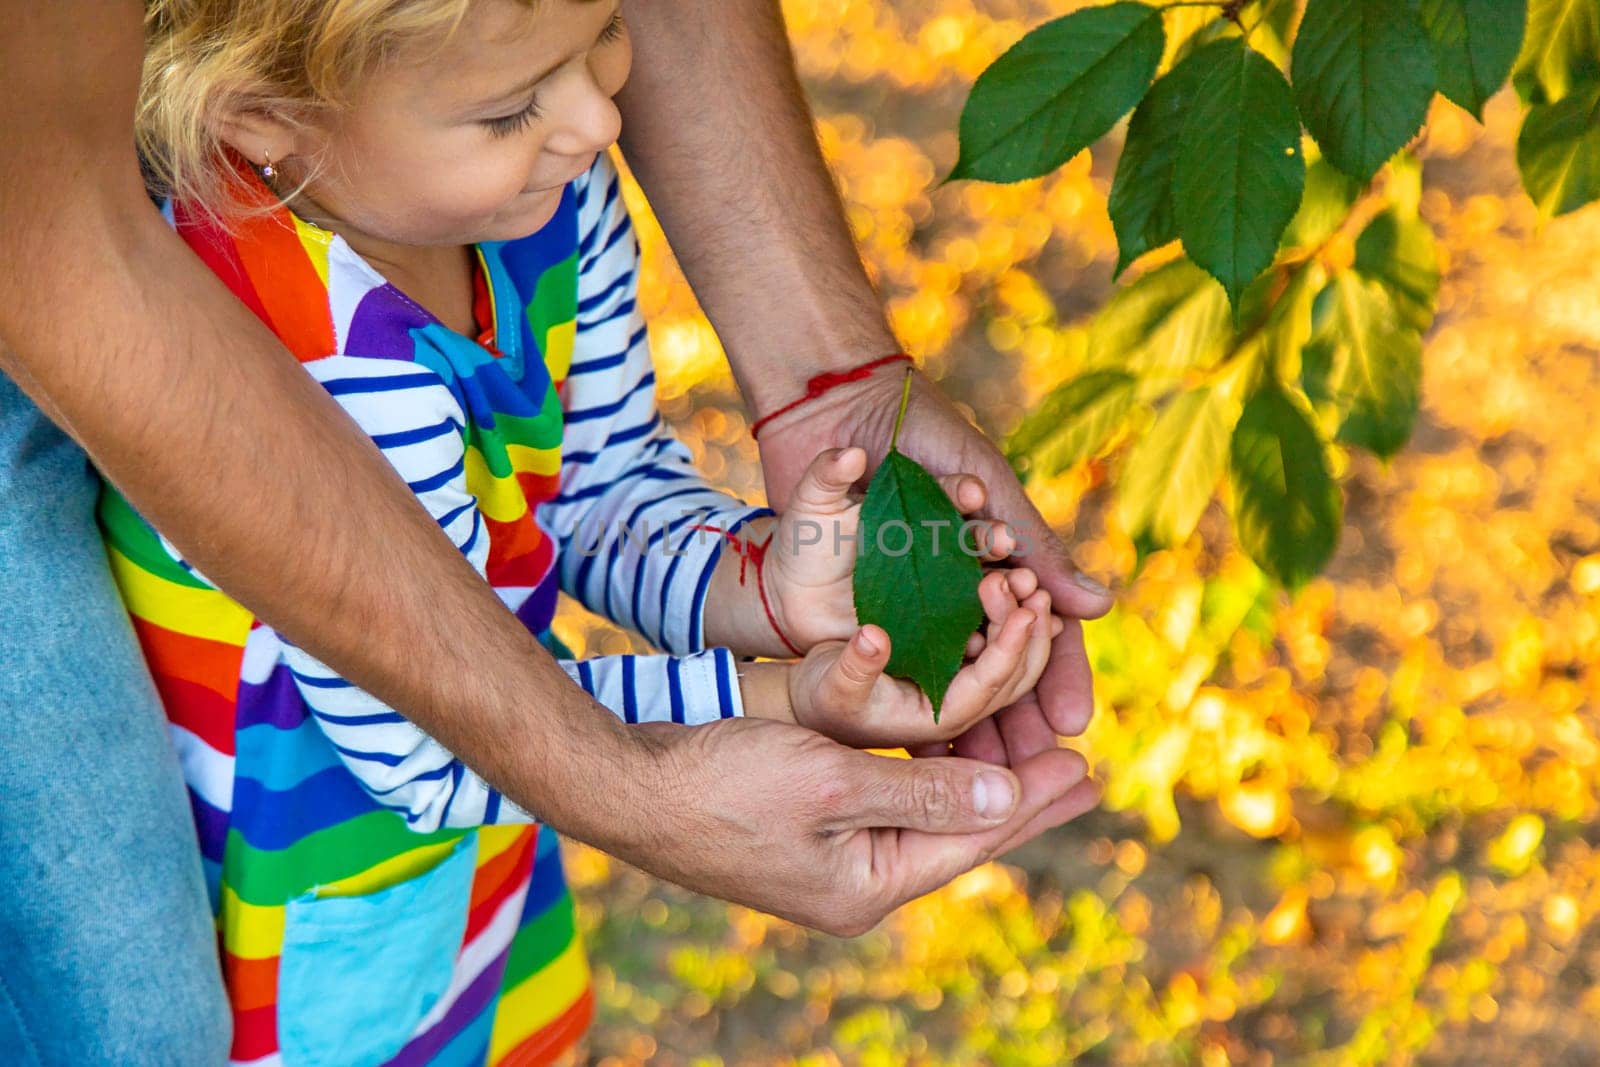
column 377, row 901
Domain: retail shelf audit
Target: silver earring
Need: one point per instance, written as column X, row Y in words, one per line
column 266, row 167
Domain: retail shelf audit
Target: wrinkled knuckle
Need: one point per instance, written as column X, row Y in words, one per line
column 830, row 792
column 933, row 797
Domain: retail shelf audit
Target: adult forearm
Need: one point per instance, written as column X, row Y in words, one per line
column 208, row 426
column 212, row 431
column 718, row 132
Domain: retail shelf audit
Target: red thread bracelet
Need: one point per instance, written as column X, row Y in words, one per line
column 826, row 382
column 750, row 552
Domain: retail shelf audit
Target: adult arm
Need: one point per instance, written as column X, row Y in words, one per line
column 125, row 339
column 720, row 135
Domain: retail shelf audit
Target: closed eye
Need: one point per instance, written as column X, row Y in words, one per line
column 506, row 125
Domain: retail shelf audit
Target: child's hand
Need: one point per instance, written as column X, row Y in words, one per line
column 840, row 689
column 810, row 562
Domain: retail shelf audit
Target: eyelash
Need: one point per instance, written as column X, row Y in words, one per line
column 506, row 125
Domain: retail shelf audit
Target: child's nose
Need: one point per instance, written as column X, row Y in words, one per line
column 591, row 123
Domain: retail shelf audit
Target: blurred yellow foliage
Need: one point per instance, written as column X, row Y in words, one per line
column 1354, row 828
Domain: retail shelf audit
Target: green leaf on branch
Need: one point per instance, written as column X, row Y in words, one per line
column 1363, row 77
column 1141, row 193
column 1057, row 91
column 1287, row 509
column 1558, row 151
column 1560, row 50
column 1365, row 360
column 1275, row 316
column 1172, row 472
column 1329, row 195
column 1168, row 322
column 1073, row 423
column 913, row 578
column 1397, row 249
column 1239, row 171
column 1475, row 42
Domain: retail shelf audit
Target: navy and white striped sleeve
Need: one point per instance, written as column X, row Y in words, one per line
column 636, row 522
column 416, row 421
column 693, row 689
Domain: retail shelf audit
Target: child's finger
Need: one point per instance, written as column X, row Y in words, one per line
column 848, row 682
column 826, row 484
column 994, row 593
column 1023, row 582
column 967, row 491
column 975, row 689
column 1038, row 651
column 991, row 539
column 975, row 646
column 1025, row 673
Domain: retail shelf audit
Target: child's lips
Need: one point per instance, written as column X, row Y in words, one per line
column 564, row 182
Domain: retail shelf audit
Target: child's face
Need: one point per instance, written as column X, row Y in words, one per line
column 474, row 141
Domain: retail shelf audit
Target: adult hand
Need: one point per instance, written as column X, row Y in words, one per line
column 779, row 818
column 936, row 435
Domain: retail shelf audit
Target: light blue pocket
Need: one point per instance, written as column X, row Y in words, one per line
column 357, row 974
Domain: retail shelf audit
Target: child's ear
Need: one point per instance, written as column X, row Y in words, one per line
column 262, row 137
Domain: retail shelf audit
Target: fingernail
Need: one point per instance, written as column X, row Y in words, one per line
column 992, row 795
column 1089, row 585
column 865, row 644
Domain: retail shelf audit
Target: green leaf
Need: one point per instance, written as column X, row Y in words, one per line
column 1368, row 361
column 1329, row 195
column 1560, row 49
column 1558, row 151
column 1275, row 314
column 1239, row 172
column 913, row 578
column 1287, row 508
column 1074, row 422
column 1363, row 77
column 1172, row 472
column 1474, row 44
column 1057, row 91
column 1141, row 193
column 1164, row 324
column 1397, row 249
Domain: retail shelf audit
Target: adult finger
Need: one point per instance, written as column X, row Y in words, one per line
column 1066, row 689
column 916, row 862
column 941, row 796
column 1076, row 594
column 981, row 741
column 1024, row 730
column 1081, row 798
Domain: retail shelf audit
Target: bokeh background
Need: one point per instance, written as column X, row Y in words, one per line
column 1355, row 828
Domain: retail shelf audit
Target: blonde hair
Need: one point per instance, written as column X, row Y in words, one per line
column 293, row 59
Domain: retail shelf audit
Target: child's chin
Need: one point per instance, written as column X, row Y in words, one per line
column 526, row 216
